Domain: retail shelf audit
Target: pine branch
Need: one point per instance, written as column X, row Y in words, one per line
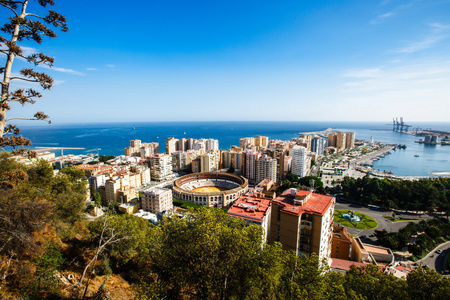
column 11, row 8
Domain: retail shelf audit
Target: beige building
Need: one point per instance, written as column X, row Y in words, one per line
column 171, row 145
column 349, row 140
column 341, row 243
column 112, row 187
column 209, row 162
column 302, row 221
column 233, row 158
column 157, row 200
column 249, row 164
column 254, row 143
column 266, row 168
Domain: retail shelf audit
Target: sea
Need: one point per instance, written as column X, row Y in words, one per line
column 112, row 138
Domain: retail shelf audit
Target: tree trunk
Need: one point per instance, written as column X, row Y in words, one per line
column 8, row 68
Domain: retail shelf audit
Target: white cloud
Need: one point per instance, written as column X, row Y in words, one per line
column 62, row 70
column 92, row 69
column 438, row 33
column 110, row 66
column 28, row 50
column 381, row 18
column 433, row 76
column 419, row 91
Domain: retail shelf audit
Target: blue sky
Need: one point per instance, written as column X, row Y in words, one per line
column 248, row 60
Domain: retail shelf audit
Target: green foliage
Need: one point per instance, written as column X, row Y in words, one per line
column 371, row 283
column 11, row 172
column 43, row 282
column 306, row 181
column 206, row 255
column 186, row 204
column 434, row 231
column 105, row 158
column 129, row 235
column 425, row 283
column 424, row 194
column 292, row 177
column 73, row 173
column 98, row 199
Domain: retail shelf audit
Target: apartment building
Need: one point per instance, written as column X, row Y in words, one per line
column 171, row 145
column 302, row 221
column 266, row 168
column 299, row 166
column 255, row 209
column 157, row 200
column 160, row 166
column 249, row 164
column 232, row 158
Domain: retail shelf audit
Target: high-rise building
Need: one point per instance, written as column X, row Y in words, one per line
column 332, row 139
column 249, row 164
column 208, row 162
column 160, row 166
column 298, row 165
column 266, row 168
column 232, row 158
column 171, row 145
column 340, row 140
column 179, row 161
column 212, row 145
column 349, row 140
column 148, row 149
column 318, row 144
column 199, row 145
column 302, row 221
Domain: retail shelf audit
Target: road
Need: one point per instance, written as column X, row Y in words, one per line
column 437, row 261
column 378, row 216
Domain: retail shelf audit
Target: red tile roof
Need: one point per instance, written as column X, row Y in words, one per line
column 343, row 264
column 316, row 203
column 252, row 206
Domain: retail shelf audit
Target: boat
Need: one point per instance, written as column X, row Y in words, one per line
column 416, row 155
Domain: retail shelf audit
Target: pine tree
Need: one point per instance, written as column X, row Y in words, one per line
column 22, row 26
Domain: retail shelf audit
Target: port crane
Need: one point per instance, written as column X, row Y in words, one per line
column 399, row 126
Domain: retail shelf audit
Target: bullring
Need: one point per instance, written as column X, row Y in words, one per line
column 219, row 189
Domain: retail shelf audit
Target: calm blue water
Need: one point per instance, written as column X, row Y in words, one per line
column 112, row 138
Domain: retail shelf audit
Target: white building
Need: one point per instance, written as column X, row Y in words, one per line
column 160, row 166
column 298, row 166
column 212, row 145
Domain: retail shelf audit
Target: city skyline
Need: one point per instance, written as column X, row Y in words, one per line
column 202, row 61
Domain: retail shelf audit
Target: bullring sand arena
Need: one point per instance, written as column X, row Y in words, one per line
column 210, row 188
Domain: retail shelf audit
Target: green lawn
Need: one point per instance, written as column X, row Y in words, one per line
column 365, row 223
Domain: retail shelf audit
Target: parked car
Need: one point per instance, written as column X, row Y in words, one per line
column 439, row 251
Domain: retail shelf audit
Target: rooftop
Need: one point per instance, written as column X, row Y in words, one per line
column 377, row 249
column 313, row 203
column 343, row 264
column 252, row 206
